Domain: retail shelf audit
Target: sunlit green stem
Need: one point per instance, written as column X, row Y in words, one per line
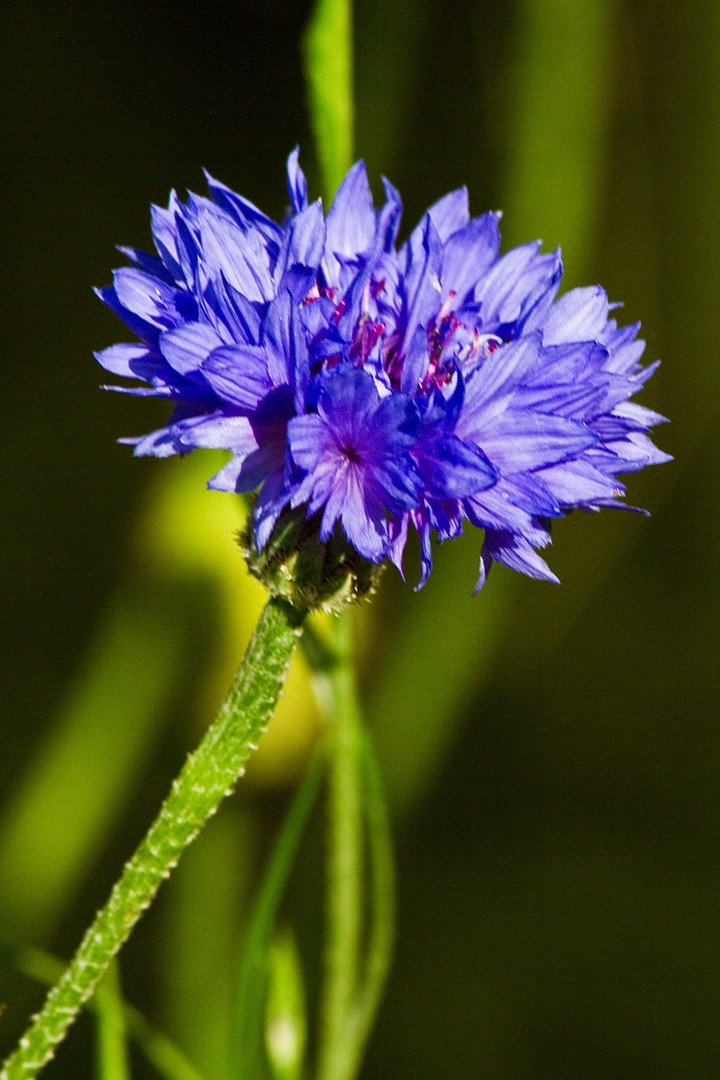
column 208, row 775
column 329, row 73
column 345, row 868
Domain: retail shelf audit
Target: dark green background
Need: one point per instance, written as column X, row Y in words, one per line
column 559, row 848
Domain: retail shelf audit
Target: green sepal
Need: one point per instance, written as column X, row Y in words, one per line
column 309, row 573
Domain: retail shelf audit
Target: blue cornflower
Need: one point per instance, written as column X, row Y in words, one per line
column 354, row 454
column 382, row 388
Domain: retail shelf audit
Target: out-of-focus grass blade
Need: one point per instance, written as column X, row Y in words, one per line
column 558, row 121
column 247, row 1058
column 189, row 571
column 285, row 1017
column 79, row 781
column 201, row 922
column 328, row 49
column 112, row 1050
column 562, row 93
column 165, row 1057
column 191, row 533
column 440, row 648
column 381, row 896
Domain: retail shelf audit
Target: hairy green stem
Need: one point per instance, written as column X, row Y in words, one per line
column 345, row 868
column 208, row 775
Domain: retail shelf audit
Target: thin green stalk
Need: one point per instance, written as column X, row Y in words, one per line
column 248, row 1055
column 329, row 74
column 325, row 661
column 112, row 1048
column 208, row 775
column 286, row 1026
column 381, row 931
column 337, row 1053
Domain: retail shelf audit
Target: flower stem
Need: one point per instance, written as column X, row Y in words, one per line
column 337, row 1056
column 208, row 775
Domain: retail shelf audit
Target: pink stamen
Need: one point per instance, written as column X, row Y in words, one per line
column 317, row 293
column 447, row 305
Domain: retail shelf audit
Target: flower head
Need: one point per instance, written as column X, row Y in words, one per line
column 380, row 388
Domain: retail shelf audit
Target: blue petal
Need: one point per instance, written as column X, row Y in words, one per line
column 469, row 253
column 518, row 441
column 579, row 315
column 423, row 254
column 231, row 312
column 450, row 213
column 578, row 483
column 635, row 451
column 152, row 300
column 494, row 509
column 303, row 243
column 513, row 285
column 218, row 431
column 365, row 525
column 351, row 218
column 489, row 385
column 188, row 346
column 452, row 468
column 151, row 264
column 245, row 213
column 132, row 361
column 144, row 330
column 389, row 217
column 238, row 374
column 517, row 553
column 307, row 438
column 272, row 500
column 240, row 257
column 296, row 182
column 280, row 340
column 164, row 232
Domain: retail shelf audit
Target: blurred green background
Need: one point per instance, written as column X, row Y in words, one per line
column 552, row 755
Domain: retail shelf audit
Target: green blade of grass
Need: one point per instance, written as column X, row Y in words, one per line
column 286, row 1015
column 559, row 121
column 112, row 1049
column 247, row 1053
column 328, row 52
column 80, row 780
